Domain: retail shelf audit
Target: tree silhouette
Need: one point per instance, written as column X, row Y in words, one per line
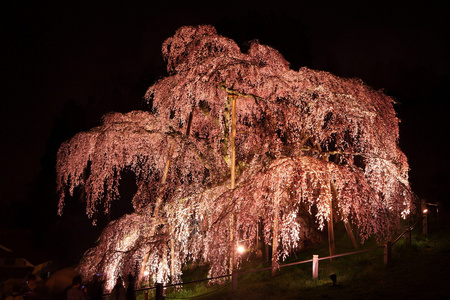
column 236, row 144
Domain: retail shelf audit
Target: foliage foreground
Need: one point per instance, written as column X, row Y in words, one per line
column 236, row 149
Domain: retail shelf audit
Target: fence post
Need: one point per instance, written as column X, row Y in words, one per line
column 423, row 205
column 146, row 295
column 388, row 253
column 408, row 237
column 315, row 266
column 234, row 280
column 159, row 291
column 437, row 213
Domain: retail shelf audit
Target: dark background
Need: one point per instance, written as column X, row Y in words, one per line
column 65, row 64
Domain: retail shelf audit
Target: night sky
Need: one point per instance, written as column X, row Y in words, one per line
column 66, row 64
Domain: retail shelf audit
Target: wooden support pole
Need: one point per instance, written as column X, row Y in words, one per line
column 233, row 142
column 331, row 245
column 423, row 206
column 347, row 225
column 388, row 253
column 438, row 204
column 266, row 252
column 350, row 234
column 172, row 260
column 159, row 291
column 257, row 236
column 408, row 236
column 233, row 181
column 315, row 267
column 232, row 244
column 275, row 240
column 234, row 281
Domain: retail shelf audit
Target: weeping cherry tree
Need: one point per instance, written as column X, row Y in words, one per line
column 236, row 147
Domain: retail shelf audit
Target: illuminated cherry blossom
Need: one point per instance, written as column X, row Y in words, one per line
column 305, row 140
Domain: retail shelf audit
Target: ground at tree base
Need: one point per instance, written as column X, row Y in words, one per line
column 418, row 272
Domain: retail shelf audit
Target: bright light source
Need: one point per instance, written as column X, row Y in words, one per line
column 146, row 273
column 240, row 249
column 425, row 211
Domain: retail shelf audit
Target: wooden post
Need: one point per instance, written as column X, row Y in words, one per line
column 408, row 236
column 388, row 253
column 350, row 234
column 233, row 142
column 159, row 291
column 315, row 266
column 423, row 205
column 266, row 252
column 233, row 179
column 234, row 280
column 275, row 239
column 257, row 236
column 348, row 228
column 438, row 204
column 172, row 260
column 146, row 295
column 330, row 226
column 232, row 243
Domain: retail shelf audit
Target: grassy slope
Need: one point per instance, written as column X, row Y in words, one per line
column 418, row 271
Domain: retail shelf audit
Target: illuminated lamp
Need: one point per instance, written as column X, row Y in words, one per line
column 240, row 249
